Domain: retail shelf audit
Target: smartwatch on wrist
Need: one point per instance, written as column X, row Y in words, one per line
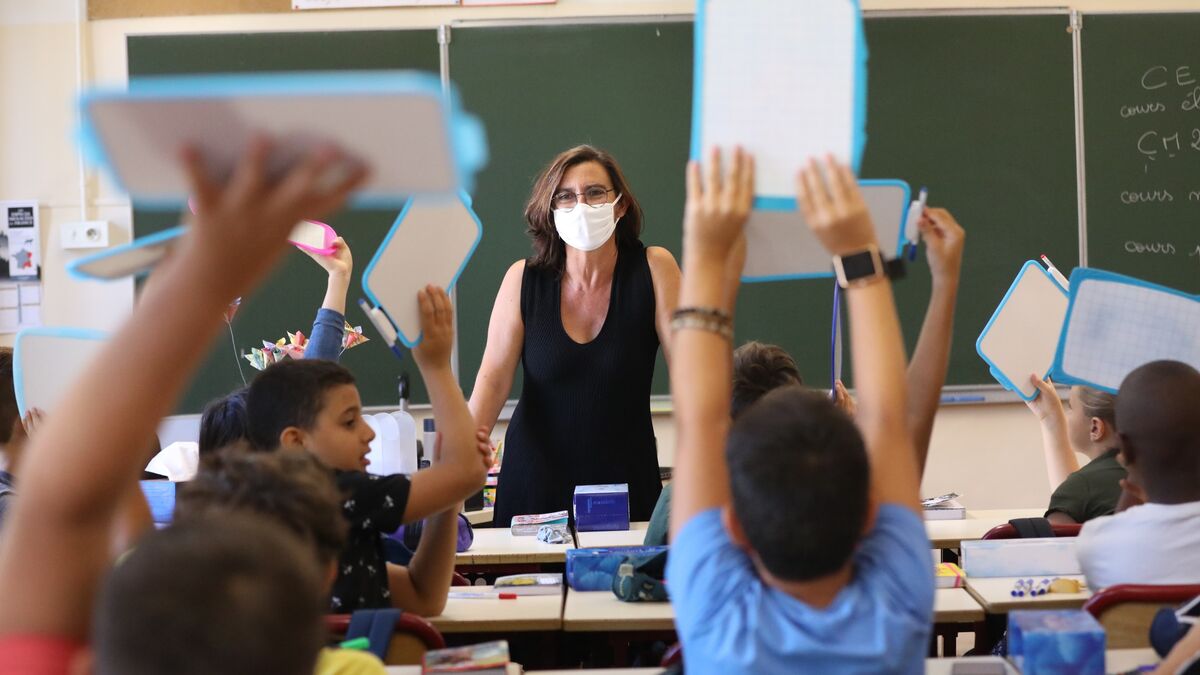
column 865, row 267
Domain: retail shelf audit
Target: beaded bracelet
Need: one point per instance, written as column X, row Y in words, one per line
column 703, row 318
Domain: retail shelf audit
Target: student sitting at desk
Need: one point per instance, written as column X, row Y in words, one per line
column 800, row 546
column 1088, row 426
column 1157, row 542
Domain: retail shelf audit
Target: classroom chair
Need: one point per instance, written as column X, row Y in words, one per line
column 459, row 580
column 1009, row 531
column 410, row 639
column 673, row 656
column 1127, row 610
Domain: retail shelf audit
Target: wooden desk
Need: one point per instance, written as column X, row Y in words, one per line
column 481, row 517
column 1116, row 661
column 951, row 533
column 493, row 615
column 634, row 536
column 956, row 605
column 595, row 611
column 996, row 596
column 498, row 547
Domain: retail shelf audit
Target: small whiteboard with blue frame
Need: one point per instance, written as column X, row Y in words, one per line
column 431, row 242
column 1021, row 337
column 1116, row 323
column 784, row 79
column 780, row 245
column 412, row 137
column 48, row 361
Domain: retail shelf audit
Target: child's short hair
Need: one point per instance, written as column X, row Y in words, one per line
column 290, row 487
column 799, row 475
column 231, row 595
column 1158, row 420
column 757, row 369
column 223, row 422
column 289, row 394
column 9, row 414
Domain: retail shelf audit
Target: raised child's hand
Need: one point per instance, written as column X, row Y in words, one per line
column 339, row 264
column 241, row 226
column 717, row 207
column 834, row 207
column 437, row 329
column 943, row 243
column 1046, row 406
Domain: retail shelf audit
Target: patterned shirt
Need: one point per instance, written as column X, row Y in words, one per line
column 374, row 507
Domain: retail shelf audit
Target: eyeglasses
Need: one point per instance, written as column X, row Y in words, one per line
column 593, row 196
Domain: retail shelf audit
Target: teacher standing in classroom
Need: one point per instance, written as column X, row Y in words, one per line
column 585, row 315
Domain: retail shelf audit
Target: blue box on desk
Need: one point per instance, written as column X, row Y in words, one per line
column 1056, row 641
column 593, row 569
column 601, row 507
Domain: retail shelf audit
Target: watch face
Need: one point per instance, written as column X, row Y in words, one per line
column 858, row 265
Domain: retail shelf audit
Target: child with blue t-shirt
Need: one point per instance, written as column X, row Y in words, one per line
column 798, row 543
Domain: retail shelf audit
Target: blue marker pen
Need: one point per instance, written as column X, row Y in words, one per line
column 383, row 325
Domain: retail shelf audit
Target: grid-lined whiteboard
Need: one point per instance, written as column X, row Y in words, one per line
column 1117, row 324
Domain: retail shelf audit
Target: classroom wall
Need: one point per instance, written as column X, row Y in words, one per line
column 991, row 454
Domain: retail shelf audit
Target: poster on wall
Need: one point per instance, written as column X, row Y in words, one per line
column 19, row 241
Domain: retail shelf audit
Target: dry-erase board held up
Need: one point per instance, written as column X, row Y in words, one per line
column 47, row 361
column 785, row 80
column 1117, row 323
column 431, row 242
column 414, row 138
column 1022, row 336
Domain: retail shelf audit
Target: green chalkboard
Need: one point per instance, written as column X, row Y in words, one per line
column 979, row 108
column 1141, row 102
column 289, row 299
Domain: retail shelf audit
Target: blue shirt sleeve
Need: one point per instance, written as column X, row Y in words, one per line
column 894, row 559
column 328, row 331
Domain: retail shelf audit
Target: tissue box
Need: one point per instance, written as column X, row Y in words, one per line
column 592, row 569
column 601, row 507
column 1061, row 641
column 1048, row 557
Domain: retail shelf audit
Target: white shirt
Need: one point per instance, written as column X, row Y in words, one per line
column 1147, row 544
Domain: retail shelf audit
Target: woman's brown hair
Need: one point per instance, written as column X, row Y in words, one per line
column 549, row 251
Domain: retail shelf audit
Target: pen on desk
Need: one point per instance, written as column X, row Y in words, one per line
column 383, row 325
column 1058, row 276
column 911, row 231
column 478, row 595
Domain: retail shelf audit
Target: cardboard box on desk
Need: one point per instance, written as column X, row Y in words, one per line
column 592, row 569
column 1020, row 557
column 1056, row 641
column 601, row 507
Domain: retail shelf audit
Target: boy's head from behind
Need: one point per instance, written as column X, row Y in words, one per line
column 1158, row 407
column 799, row 474
column 289, row 487
column 309, row 404
column 223, row 422
column 235, row 594
column 757, row 369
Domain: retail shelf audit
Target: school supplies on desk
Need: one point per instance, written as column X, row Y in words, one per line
column 601, row 508
column 780, row 245
column 593, row 569
column 1043, row 557
column 1115, row 323
column 430, row 242
column 948, row 575
column 1023, row 334
column 528, row 525
column 47, row 361
column 1057, row 641
column 530, row 584
column 399, row 124
column 949, row 509
column 808, row 94
column 488, row 658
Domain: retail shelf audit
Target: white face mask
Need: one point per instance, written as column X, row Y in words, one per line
column 586, row 227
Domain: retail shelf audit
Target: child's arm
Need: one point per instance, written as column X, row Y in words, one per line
column 74, row 475
column 460, row 473
column 834, row 209
column 931, row 358
column 329, row 328
column 714, row 250
column 1185, row 653
column 1056, row 444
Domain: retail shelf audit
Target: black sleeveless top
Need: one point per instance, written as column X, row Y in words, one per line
column 584, row 413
